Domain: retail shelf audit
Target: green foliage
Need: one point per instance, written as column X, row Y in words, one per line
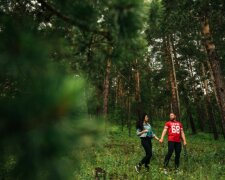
column 42, row 105
column 155, row 19
column 130, row 18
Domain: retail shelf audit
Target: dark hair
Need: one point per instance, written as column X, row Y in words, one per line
column 174, row 114
column 139, row 124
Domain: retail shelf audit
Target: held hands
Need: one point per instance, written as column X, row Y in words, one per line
column 156, row 138
column 161, row 140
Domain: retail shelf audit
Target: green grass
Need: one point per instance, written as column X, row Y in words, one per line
column 118, row 154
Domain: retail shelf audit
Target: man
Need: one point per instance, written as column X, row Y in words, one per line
column 175, row 134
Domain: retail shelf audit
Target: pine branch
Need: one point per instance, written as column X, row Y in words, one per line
column 80, row 24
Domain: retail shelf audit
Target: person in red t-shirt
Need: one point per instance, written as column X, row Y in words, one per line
column 175, row 134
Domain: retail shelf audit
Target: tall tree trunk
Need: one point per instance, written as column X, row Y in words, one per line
column 201, row 116
column 201, row 112
column 216, row 96
column 138, row 90
column 175, row 65
column 122, row 100
column 106, row 86
column 175, row 107
column 117, row 90
column 193, row 128
column 213, row 83
column 189, row 114
column 199, row 109
column 208, row 105
column 129, row 115
column 215, row 65
column 137, row 85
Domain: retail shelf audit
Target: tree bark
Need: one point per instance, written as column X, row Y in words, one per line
column 215, row 65
column 174, row 62
column 201, row 112
column 129, row 115
column 216, row 95
column 106, row 85
column 199, row 108
column 211, row 117
column 213, row 83
column 189, row 114
column 137, row 86
column 138, row 90
column 175, row 107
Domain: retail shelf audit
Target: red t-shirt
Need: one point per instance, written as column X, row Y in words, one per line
column 174, row 130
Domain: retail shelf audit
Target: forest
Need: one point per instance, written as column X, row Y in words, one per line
column 76, row 76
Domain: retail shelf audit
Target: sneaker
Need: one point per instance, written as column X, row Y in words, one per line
column 177, row 171
column 165, row 171
column 138, row 168
column 147, row 168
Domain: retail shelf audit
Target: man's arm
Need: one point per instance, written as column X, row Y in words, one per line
column 183, row 137
column 163, row 134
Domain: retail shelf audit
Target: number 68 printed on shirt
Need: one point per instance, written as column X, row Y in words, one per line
column 175, row 129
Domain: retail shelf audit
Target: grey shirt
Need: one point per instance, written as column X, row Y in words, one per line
column 148, row 127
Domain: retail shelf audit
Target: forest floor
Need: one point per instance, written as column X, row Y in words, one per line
column 119, row 153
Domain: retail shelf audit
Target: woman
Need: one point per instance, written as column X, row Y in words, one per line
column 144, row 131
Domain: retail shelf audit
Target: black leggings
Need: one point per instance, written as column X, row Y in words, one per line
column 147, row 145
column 171, row 147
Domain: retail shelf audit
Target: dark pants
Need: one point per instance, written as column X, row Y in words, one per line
column 171, row 147
column 147, row 145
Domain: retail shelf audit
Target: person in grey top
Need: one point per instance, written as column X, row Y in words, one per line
column 144, row 131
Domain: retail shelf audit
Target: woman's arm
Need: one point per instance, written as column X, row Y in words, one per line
column 141, row 132
column 156, row 137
